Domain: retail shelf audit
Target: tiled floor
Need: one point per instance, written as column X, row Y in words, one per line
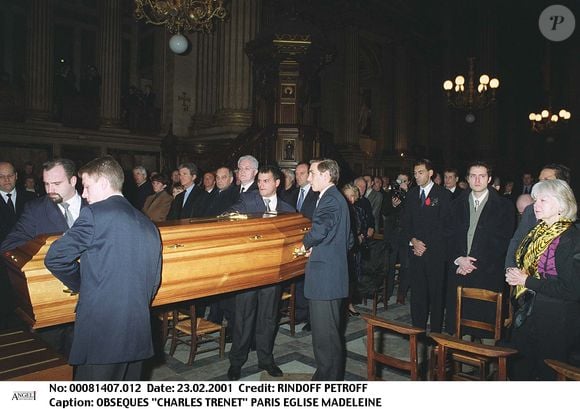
column 292, row 354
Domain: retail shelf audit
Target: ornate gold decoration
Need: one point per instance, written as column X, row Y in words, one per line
column 181, row 15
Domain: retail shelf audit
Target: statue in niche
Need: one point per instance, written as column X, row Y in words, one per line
column 289, row 149
column 364, row 117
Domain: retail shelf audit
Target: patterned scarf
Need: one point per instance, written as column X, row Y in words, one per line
column 534, row 245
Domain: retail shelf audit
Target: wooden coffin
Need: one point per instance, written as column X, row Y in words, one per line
column 201, row 257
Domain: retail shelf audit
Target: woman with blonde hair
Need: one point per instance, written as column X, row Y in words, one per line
column 546, row 322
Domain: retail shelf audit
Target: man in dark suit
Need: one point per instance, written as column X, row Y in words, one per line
column 481, row 226
column 247, row 171
column 11, row 206
column 13, row 199
column 50, row 214
column 425, row 226
column 116, row 278
column 450, row 179
column 142, row 189
column 226, row 193
column 258, row 307
column 304, row 200
column 186, row 203
column 326, row 274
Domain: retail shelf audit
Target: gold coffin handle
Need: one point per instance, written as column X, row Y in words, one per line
column 256, row 237
column 298, row 252
column 67, row 290
column 176, row 246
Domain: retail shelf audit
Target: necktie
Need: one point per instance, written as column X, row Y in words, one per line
column 300, row 200
column 242, row 190
column 10, row 203
column 422, row 197
column 476, row 204
column 67, row 214
column 267, row 201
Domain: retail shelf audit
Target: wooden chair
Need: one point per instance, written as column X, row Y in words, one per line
column 461, row 324
column 193, row 331
column 446, row 344
column 288, row 310
column 563, row 370
column 373, row 356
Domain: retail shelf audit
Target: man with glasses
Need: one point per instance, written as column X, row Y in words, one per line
column 13, row 199
column 11, row 207
column 247, row 171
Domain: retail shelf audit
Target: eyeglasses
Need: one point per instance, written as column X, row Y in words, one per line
column 7, row 177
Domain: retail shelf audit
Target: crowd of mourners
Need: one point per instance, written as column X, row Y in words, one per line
column 425, row 232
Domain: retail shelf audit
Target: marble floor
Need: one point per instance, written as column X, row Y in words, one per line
column 293, row 354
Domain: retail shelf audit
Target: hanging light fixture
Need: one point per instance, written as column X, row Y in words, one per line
column 180, row 16
column 463, row 94
column 547, row 119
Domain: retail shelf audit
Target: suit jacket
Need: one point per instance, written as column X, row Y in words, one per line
column 456, row 194
column 309, row 204
column 490, row 241
column 376, row 200
column 181, row 211
column 287, row 195
column 140, row 194
column 326, row 274
column 112, row 258
column 430, row 224
column 527, row 223
column 222, row 201
column 253, row 186
column 7, row 218
column 252, row 202
column 157, row 206
column 40, row 216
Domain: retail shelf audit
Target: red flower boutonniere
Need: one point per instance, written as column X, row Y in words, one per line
column 428, row 201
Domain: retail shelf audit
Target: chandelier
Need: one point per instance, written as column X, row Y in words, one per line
column 180, row 16
column 547, row 119
column 462, row 93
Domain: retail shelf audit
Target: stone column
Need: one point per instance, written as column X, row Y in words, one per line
column 109, row 61
column 235, row 99
column 351, row 88
column 401, row 135
column 39, row 55
column 206, row 93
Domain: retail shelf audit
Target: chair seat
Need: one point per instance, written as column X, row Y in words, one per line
column 203, row 326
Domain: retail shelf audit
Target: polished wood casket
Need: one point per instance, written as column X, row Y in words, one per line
column 201, row 257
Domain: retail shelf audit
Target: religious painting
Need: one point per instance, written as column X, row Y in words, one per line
column 288, row 152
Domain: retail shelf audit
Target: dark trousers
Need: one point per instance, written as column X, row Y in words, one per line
column 399, row 252
column 551, row 332
column 255, row 308
column 327, row 322
column 427, row 276
column 122, row 371
column 301, row 302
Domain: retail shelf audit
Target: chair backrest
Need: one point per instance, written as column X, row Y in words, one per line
column 462, row 323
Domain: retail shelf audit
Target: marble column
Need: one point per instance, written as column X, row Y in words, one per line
column 109, row 61
column 206, row 93
column 39, row 60
column 351, row 88
column 235, row 98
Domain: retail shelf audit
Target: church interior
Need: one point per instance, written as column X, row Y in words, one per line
column 360, row 81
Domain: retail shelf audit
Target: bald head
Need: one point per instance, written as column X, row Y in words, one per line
column 523, row 201
column 8, row 177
